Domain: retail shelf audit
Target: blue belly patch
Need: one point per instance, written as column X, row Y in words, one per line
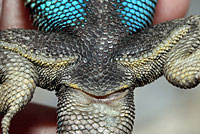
column 135, row 14
column 54, row 15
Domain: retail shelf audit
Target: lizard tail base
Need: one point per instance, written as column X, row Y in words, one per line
column 81, row 113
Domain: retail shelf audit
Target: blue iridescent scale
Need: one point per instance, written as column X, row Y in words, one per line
column 55, row 15
column 136, row 14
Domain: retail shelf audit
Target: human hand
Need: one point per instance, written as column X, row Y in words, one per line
column 34, row 119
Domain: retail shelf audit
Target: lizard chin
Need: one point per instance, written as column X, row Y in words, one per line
column 82, row 113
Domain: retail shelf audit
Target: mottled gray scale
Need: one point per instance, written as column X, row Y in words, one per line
column 94, row 63
column 42, row 42
column 147, row 39
column 95, row 72
column 100, row 80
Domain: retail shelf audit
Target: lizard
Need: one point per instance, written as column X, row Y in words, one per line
column 94, row 54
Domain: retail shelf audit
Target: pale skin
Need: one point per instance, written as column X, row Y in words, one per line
column 38, row 119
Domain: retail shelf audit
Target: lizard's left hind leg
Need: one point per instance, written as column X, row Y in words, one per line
column 182, row 68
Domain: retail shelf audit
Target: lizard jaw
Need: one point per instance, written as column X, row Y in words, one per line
column 83, row 113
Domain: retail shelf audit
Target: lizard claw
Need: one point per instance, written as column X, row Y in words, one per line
column 197, row 77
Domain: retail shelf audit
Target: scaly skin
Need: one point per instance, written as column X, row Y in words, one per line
column 95, row 66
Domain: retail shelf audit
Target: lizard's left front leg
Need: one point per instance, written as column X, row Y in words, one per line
column 18, row 79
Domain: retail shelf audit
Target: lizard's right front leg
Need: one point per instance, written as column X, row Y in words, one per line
column 18, row 79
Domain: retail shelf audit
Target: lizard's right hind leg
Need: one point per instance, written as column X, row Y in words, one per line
column 18, row 82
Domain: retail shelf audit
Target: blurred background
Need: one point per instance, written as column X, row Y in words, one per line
column 160, row 107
